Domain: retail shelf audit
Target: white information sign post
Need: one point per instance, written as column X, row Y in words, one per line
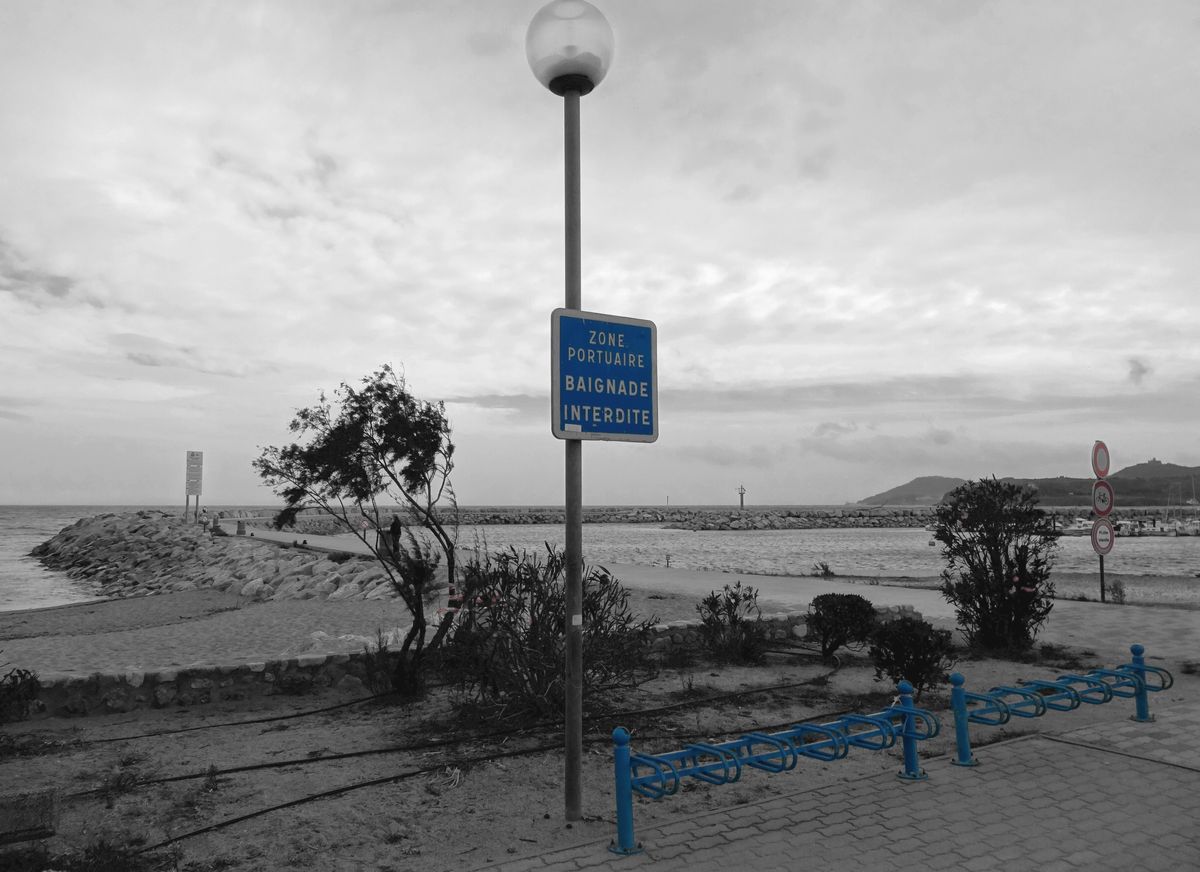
column 193, row 480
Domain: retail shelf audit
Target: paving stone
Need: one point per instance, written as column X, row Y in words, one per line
column 1073, row 813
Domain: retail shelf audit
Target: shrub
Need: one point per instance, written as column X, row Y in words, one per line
column 1116, row 592
column 912, row 650
column 998, row 549
column 838, row 619
column 821, row 569
column 729, row 632
column 380, row 664
column 18, row 690
column 509, row 644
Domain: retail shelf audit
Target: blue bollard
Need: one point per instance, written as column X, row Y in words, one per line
column 1140, row 700
column 962, row 737
column 912, row 766
column 624, row 795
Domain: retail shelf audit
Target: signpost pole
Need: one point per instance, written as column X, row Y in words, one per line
column 1103, row 500
column 573, row 740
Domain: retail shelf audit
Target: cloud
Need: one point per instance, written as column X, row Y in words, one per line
column 817, row 163
column 1138, row 370
column 940, row 436
column 834, row 429
column 146, row 351
column 29, row 283
column 729, row 456
column 490, row 43
column 521, row 404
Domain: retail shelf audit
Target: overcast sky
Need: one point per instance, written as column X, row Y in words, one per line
column 879, row 240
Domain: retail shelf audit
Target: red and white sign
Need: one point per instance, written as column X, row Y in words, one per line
column 1103, row 498
column 1100, row 459
column 1103, row 536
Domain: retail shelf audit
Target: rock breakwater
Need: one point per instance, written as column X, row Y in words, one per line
column 140, row 553
column 792, row 518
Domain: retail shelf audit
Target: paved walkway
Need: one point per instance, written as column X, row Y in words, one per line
column 189, row 628
column 1112, row 796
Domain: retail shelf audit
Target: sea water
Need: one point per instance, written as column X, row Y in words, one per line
column 883, row 552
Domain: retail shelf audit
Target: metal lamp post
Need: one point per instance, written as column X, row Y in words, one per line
column 569, row 46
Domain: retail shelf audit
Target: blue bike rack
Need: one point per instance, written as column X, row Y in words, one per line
column 1035, row 697
column 659, row 775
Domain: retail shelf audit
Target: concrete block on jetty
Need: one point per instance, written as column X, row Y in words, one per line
column 140, row 553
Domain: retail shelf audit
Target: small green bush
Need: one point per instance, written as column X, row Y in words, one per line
column 18, row 690
column 913, row 650
column 380, row 665
column 509, row 643
column 838, row 619
column 731, row 625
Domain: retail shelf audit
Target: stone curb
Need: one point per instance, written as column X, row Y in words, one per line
column 74, row 694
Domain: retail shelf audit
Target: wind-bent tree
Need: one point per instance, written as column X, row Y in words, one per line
column 998, row 549
column 376, row 444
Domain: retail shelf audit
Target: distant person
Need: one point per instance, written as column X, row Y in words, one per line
column 204, row 519
column 394, row 531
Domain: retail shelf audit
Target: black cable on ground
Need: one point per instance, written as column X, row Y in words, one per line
column 337, row 791
column 264, row 720
column 445, row 743
column 425, row 770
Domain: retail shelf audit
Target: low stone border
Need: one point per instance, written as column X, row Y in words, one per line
column 69, row 694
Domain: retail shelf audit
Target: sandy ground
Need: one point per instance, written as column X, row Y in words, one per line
column 209, row 627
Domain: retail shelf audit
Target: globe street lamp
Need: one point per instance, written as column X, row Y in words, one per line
column 569, row 45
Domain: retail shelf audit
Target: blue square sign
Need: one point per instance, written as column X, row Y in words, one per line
column 605, row 378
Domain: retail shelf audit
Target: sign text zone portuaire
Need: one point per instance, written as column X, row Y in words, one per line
column 605, row 381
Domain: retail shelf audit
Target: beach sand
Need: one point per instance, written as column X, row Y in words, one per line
column 205, row 626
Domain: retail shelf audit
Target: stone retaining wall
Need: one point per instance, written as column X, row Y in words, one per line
column 341, row 674
column 69, row 694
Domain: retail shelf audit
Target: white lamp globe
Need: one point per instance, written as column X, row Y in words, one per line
column 569, row 46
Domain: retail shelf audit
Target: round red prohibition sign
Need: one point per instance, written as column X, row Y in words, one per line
column 1103, row 498
column 1103, row 536
column 1100, row 459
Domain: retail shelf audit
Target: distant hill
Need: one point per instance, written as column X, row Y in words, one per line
column 1152, row 483
column 927, row 490
column 1154, row 468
